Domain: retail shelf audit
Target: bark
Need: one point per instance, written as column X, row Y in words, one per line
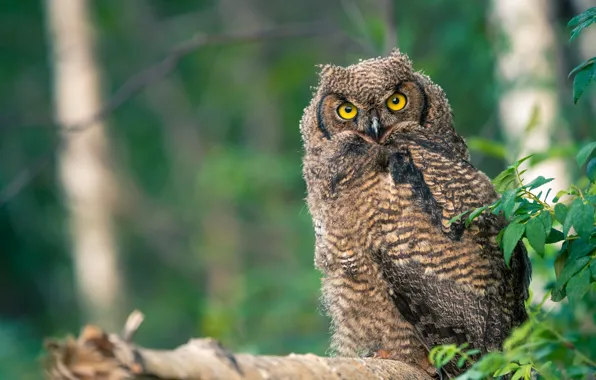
column 88, row 183
column 98, row 355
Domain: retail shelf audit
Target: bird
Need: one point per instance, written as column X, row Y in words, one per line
column 385, row 173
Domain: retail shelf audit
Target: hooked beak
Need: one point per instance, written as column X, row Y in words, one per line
column 374, row 128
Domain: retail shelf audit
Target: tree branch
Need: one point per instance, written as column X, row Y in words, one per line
column 150, row 75
column 97, row 355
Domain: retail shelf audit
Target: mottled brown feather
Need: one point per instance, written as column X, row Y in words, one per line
column 397, row 278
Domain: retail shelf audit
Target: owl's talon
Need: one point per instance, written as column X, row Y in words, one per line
column 381, row 354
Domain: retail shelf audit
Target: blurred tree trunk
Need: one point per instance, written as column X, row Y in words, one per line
column 87, row 181
column 528, row 106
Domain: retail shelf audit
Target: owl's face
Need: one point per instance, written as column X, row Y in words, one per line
column 374, row 99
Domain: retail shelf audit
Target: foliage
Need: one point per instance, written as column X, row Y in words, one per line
column 213, row 234
column 585, row 72
column 552, row 345
column 569, row 221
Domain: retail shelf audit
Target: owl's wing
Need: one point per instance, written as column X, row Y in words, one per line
column 454, row 183
column 460, row 297
column 457, row 186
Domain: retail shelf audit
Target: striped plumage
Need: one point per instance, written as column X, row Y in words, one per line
column 398, row 279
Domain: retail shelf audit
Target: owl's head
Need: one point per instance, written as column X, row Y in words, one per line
column 376, row 98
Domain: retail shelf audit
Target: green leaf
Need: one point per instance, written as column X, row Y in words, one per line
column 582, row 17
column 561, row 211
column 554, row 236
column 559, row 194
column 578, row 285
column 457, row 217
column 536, row 235
column 518, row 336
column 581, row 247
column 582, row 79
column 507, row 369
column 593, row 269
column 574, row 209
column 591, row 170
column 585, row 153
column 579, row 67
column 461, row 362
column 580, row 216
column 547, row 221
column 511, row 236
column 581, row 22
column 474, row 214
column 571, row 268
column 518, row 374
column 441, row 355
column 504, row 180
column 584, row 223
column 517, row 163
column 497, row 209
column 537, row 182
column 508, row 202
column 473, row 352
column 520, row 218
column 526, row 207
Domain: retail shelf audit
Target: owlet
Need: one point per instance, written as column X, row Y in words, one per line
column 385, row 172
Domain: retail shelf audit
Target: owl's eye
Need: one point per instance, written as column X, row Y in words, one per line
column 397, row 101
column 347, row 111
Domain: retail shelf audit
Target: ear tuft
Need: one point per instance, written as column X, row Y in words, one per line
column 401, row 58
column 395, row 51
column 326, row 70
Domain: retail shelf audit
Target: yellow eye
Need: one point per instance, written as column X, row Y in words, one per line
column 347, row 111
column 397, row 101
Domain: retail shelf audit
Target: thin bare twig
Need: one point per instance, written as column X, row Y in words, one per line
column 23, row 178
column 150, row 75
column 160, row 70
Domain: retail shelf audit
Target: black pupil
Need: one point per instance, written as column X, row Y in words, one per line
column 395, row 100
column 348, row 109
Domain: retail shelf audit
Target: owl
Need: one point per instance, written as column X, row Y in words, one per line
column 385, row 172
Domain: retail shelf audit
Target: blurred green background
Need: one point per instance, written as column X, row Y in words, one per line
column 210, row 229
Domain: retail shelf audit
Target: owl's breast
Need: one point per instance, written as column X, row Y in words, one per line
column 368, row 213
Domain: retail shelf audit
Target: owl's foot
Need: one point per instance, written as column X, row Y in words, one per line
column 382, row 354
column 423, row 363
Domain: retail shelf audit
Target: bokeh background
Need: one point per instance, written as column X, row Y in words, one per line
column 185, row 199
